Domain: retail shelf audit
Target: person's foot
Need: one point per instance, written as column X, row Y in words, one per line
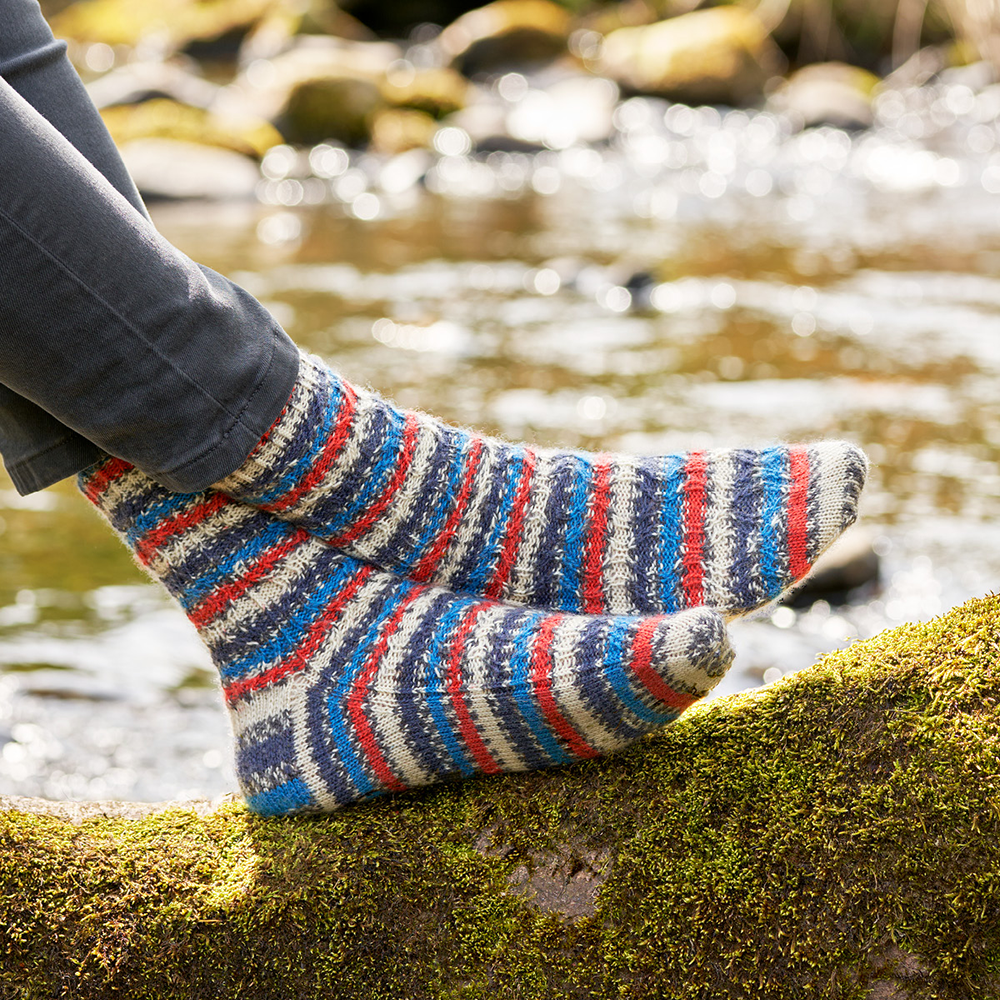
column 344, row 681
column 575, row 532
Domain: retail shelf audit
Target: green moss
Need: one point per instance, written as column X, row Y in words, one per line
column 833, row 831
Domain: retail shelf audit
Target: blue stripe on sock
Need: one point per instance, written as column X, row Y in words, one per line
column 522, row 688
column 774, row 476
column 337, row 695
column 315, row 428
column 488, row 509
column 435, row 672
column 419, row 727
column 359, row 492
column 430, row 525
column 519, row 736
column 576, row 525
column 292, row 795
column 489, row 551
column 595, row 684
column 619, row 639
column 209, row 569
column 300, row 606
column 670, row 529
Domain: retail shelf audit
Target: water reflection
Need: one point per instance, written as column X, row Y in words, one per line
column 704, row 279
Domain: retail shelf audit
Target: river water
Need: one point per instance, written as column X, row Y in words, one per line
column 705, row 279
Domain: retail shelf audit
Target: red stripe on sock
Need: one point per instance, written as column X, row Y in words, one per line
column 597, row 534
column 798, row 513
column 453, row 685
column 541, row 679
column 375, row 511
column 299, row 658
column 111, row 470
column 693, row 514
column 331, row 450
column 186, row 519
column 642, row 656
column 515, row 527
column 216, row 602
column 428, row 563
column 355, row 700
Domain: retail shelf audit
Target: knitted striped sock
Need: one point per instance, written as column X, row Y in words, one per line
column 344, row 681
column 581, row 533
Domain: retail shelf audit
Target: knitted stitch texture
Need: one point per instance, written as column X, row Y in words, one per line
column 611, row 534
column 344, row 681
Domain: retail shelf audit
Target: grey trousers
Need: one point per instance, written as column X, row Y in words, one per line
column 111, row 340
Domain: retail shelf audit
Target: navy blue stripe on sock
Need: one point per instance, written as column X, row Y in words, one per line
column 441, row 486
column 744, row 579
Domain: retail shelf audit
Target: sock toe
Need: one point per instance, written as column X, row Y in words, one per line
column 841, row 469
column 692, row 650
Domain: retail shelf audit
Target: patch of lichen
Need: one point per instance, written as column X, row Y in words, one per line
column 834, row 830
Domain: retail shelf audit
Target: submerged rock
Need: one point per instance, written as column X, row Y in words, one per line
column 506, row 34
column 827, row 94
column 718, row 56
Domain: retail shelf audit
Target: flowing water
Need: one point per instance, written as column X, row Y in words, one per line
column 705, row 279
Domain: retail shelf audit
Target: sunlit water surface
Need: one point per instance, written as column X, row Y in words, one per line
column 705, row 281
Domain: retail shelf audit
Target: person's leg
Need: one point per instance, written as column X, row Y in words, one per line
column 344, row 682
column 580, row 533
column 116, row 334
column 37, row 448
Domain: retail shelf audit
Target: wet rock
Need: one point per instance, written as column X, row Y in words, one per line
column 717, row 56
column 276, row 32
column 827, row 94
column 506, row 34
column 323, row 88
column 341, row 108
column 851, row 562
column 172, row 24
column 167, row 119
column 170, row 169
column 436, row 92
column 143, row 81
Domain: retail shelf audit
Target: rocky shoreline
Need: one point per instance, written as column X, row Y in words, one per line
column 198, row 94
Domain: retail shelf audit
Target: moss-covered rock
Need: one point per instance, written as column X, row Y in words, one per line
column 835, row 835
column 718, row 56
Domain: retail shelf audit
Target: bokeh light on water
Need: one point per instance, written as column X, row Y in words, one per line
column 707, row 278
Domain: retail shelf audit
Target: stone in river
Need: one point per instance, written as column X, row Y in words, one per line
column 169, row 169
column 142, row 81
column 827, row 94
column 323, row 88
column 851, row 562
column 506, row 34
column 161, row 118
column 718, row 56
